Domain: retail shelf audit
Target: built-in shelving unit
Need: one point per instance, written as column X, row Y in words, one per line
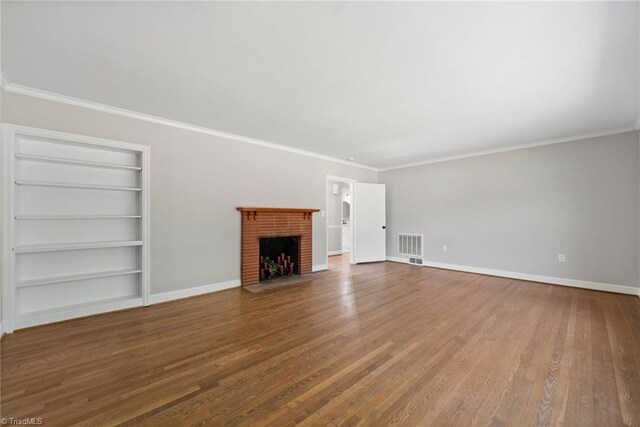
column 76, row 220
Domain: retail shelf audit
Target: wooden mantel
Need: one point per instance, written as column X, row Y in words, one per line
column 260, row 222
column 252, row 209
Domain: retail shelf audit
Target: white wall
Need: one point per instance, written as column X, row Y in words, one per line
column 516, row 211
column 197, row 180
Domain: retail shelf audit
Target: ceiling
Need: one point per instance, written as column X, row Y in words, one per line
column 385, row 83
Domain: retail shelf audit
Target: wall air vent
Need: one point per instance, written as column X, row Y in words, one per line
column 410, row 245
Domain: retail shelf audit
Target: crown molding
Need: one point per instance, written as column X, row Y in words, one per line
column 77, row 102
column 511, row 148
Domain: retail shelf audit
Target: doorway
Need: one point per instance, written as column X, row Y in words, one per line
column 339, row 217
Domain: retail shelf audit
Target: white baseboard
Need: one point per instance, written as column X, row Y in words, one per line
column 1, row 330
column 528, row 277
column 319, row 267
column 191, row 292
column 331, row 253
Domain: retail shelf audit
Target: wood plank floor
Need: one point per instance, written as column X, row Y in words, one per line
column 378, row 344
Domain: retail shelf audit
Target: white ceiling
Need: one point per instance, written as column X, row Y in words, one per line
column 386, row 83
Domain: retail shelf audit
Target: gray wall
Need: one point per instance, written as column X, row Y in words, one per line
column 516, row 211
column 197, row 181
column 513, row 211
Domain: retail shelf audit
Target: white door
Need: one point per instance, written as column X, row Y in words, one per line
column 370, row 227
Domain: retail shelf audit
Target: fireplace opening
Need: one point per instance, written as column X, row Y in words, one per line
column 278, row 257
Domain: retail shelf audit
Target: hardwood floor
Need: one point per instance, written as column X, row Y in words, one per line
column 377, row 344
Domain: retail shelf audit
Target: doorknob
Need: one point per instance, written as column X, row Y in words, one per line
column 384, row 227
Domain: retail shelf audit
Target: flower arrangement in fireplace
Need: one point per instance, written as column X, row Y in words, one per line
column 280, row 267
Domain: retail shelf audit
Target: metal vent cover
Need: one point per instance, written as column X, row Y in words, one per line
column 410, row 245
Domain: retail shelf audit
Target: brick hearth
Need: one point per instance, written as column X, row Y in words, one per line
column 274, row 222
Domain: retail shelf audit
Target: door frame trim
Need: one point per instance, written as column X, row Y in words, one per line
column 352, row 188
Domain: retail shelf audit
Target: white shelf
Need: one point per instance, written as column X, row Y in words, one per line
column 75, row 246
column 27, row 217
column 76, row 162
column 80, row 186
column 80, row 306
column 32, row 318
column 75, row 277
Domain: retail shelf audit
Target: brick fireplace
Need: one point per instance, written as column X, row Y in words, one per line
column 260, row 223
